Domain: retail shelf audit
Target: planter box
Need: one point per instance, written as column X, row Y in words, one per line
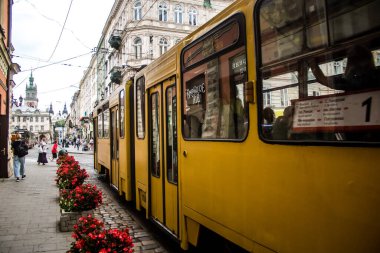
column 69, row 219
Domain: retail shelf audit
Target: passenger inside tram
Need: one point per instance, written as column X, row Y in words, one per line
column 283, row 125
column 269, row 118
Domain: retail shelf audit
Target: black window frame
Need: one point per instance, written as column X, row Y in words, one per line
column 239, row 18
column 332, row 45
column 143, row 116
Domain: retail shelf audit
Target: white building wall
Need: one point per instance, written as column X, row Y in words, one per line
column 150, row 30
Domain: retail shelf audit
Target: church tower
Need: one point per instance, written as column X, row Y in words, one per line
column 31, row 99
column 64, row 112
column 51, row 109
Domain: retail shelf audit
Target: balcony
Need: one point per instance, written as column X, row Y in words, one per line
column 115, row 39
column 115, row 42
column 115, row 75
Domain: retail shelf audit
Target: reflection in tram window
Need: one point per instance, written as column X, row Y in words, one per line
column 326, row 67
column 106, row 123
column 100, row 125
column 121, row 113
column 140, row 108
column 155, row 135
column 171, row 121
column 214, row 105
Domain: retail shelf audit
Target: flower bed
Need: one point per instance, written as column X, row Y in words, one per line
column 70, row 176
column 78, row 202
column 81, row 198
column 90, row 236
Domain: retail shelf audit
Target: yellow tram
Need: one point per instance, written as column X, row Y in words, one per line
column 257, row 127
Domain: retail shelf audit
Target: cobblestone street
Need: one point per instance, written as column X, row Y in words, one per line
column 29, row 211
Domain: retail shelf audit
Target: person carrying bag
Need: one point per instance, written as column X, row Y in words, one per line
column 20, row 150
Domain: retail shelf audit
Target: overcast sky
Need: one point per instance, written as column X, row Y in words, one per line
column 36, row 28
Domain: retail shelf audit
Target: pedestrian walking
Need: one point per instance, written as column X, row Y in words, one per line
column 91, row 144
column 42, row 148
column 54, row 151
column 78, row 143
column 20, row 150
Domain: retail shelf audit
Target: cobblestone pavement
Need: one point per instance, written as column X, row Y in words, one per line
column 111, row 211
column 29, row 211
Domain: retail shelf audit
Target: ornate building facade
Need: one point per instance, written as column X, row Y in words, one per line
column 135, row 34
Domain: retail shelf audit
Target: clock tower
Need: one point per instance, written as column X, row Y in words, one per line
column 31, row 99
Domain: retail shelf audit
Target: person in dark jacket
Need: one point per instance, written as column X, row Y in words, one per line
column 20, row 150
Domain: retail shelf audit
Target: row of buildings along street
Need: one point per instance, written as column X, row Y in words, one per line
column 135, row 33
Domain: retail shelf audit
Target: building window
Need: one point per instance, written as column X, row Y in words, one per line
column 193, row 16
column 42, row 119
column 42, row 128
column 284, row 97
column 163, row 46
column 178, row 11
column 267, row 98
column 151, row 53
column 137, row 10
column 31, row 128
column 137, row 44
column 31, row 119
column 23, row 119
column 162, row 12
column 36, row 118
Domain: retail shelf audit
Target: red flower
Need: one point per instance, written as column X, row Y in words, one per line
column 82, row 198
column 93, row 237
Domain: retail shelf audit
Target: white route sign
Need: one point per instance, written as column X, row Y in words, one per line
column 339, row 112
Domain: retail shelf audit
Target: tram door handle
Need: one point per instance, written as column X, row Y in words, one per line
column 184, row 153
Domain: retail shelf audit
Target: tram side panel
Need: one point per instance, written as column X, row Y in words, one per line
column 126, row 159
column 266, row 197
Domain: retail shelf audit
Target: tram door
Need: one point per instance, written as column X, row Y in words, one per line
column 115, row 148
column 163, row 167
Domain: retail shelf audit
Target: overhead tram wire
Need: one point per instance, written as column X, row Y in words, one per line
column 60, row 35
column 59, row 24
column 54, row 63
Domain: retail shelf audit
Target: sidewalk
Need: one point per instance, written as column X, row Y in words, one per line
column 29, row 211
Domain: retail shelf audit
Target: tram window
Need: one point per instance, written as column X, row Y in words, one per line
column 100, row 125
column 140, row 107
column 122, row 112
column 214, row 106
column 155, row 133
column 106, row 124
column 329, row 95
column 171, row 122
